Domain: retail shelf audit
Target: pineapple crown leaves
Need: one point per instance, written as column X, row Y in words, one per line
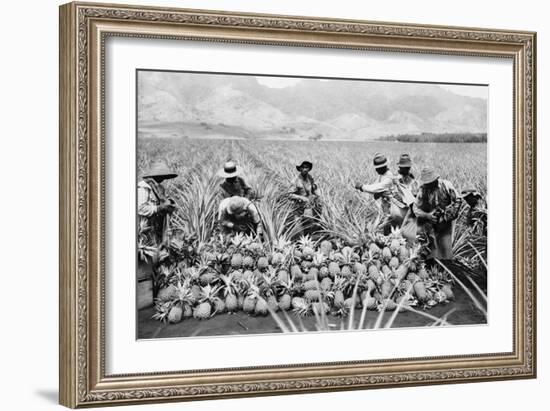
column 319, row 259
column 209, row 293
column 301, row 306
column 238, row 240
column 305, row 241
column 229, row 285
column 184, row 294
column 162, row 309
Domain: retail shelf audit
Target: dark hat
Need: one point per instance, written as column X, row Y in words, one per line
column 428, row 175
column 160, row 169
column 470, row 191
column 230, row 169
column 304, row 164
column 404, row 161
column 380, row 160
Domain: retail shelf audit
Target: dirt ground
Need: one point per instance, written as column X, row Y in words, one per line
column 461, row 312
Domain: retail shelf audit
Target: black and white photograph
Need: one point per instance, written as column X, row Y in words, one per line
column 278, row 204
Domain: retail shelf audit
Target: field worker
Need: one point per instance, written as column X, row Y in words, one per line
column 234, row 184
column 153, row 205
column 303, row 191
column 476, row 218
column 239, row 215
column 436, row 207
column 384, row 189
column 407, row 188
column 406, row 178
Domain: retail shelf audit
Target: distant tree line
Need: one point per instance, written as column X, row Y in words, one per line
column 439, row 138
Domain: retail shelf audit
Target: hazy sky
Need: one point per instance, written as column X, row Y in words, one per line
column 464, row 90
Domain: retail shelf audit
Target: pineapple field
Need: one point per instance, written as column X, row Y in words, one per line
column 343, row 276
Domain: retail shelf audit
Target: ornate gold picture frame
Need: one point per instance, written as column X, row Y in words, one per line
column 84, row 29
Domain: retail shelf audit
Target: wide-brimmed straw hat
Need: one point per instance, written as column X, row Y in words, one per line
column 379, row 160
column 237, row 204
column 428, row 175
column 230, row 169
column 404, row 161
column 307, row 164
column 160, row 169
column 470, row 191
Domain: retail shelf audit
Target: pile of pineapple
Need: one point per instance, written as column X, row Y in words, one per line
column 302, row 277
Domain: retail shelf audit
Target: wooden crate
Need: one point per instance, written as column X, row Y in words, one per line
column 144, row 293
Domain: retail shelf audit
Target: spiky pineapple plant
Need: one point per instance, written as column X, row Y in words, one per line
column 207, row 299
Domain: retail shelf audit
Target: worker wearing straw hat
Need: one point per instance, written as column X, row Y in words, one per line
column 436, row 207
column 239, row 214
column 303, row 192
column 384, row 189
column 407, row 188
column 234, row 184
column 152, row 203
column 154, row 209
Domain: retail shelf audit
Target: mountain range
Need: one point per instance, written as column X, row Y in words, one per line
column 204, row 104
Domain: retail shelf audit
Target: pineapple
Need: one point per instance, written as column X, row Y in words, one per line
column 202, row 311
column 307, row 247
column 386, row 289
column 420, row 291
column 284, row 302
column 311, row 285
column 296, row 272
column 237, row 260
column 208, row 277
column 249, row 304
column 373, row 271
column 282, row 276
column 374, row 250
column 346, row 271
column 187, row 311
column 312, row 295
column 386, row 270
column 262, row 263
column 326, row 284
column 277, row 259
column 248, row 262
column 208, row 297
column 261, row 307
column 326, row 247
column 387, row 254
column 175, row 314
column 323, row 272
column 369, row 302
column 313, row 273
column 404, row 253
column 394, row 263
column 401, row 272
column 333, row 269
column 395, row 244
column 359, row 268
column 231, row 303
column 448, row 292
column 272, row 303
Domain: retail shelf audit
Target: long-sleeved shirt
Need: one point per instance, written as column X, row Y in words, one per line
column 147, row 200
column 443, row 196
column 237, row 187
column 383, row 188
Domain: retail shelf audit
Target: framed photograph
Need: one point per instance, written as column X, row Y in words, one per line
column 261, row 205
